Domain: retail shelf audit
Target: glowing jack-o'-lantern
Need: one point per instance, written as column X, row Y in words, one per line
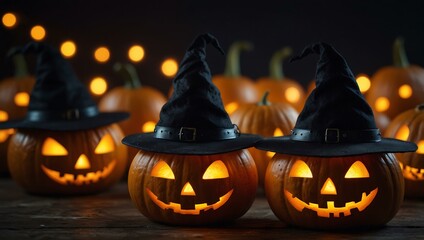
column 397, row 88
column 335, row 192
column 67, row 162
column 14, row 99
column 192, row 189
column 408, row 126
column 267, row 119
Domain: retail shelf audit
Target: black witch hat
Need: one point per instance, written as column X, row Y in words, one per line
column 336, row 120
column 59, row 101
column 193, row 121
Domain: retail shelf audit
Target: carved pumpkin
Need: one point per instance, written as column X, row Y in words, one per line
column 282, row 89
column 14, row 99
column 409, row 126
column 334, row 192
column 266, row 119
column 142, row 102
column 67, row 162
column 397, row 88
column 235, row 89
column 192, row 189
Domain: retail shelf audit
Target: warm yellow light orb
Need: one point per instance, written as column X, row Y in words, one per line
column 136, row 53
column 98, row 86
column 148, row 127
column 364, row 83
column 9, row 20
column 382, row 104
column 3, row 116
column 68, row 49
column 169, row 67
column 102, row 54
column 405, row 91
column 38, row 32
column 402, row 133
column 420, row 149
column 22, row 99
column 292, row 94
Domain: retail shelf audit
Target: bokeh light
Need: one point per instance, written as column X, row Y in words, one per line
column 98, row 86
column 169, row 67
column 38, row 32
column 382, row 104
column 136, row 53
column 68, row 49
column 292, row 94
column 102, row 54
column 364, row 83
column 9, row 20
column 405, row 91
column 22, row 99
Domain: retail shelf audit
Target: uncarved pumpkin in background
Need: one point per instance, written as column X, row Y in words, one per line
column 409, row 126
column 266, row 119
column 235, row 89
column 396, row 88
column 282, row 88
column 142, row 102
column 14, row 99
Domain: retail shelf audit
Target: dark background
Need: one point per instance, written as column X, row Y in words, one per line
column 363, row 31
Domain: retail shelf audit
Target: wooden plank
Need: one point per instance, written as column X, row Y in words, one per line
column 111, row 215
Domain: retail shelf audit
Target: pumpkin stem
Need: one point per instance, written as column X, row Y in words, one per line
column 399, row 55
column 264, row 101
column 276, row 63
column 129, row 74
column 420, row 107
column 232, row 66
column 20, row 64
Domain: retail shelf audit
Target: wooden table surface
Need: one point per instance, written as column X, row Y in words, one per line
column 111, row 215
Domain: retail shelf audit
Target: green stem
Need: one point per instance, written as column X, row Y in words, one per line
column 276, row 63
column 399, row 54
column 129, row 74
column 21, row 69
column 264, row 101
column 232, row 66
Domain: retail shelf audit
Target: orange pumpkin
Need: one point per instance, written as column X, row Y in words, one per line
column 282, row 89
column 268, row 120
column 142, row 102
column 409, row 126
column 397, row 88
column 334, row 192
column 192, row 189
column 67, row 162
column 235, row 89
column 14, row 99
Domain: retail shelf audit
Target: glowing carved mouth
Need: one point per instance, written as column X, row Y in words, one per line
column 414, row 174
column 176, row 207
column 331, row 209
column 79, row 179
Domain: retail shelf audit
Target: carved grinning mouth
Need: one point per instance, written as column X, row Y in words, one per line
column 79, row 179
column 411, row 173
column 176, row 207
column 331, row 209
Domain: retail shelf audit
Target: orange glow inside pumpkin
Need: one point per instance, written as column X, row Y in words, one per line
column 364, row 83
column 22, row 99
column 278, row 132
column 3, row 116
column 148, row 127
column 402, row 133
column 106, row 145
column 405, row 91
column 51, row 147
column 82, row 162
column 292, row 94
column 411, row 173
column 356, row 170
column 382, row 104
column 216, row 170
column 420, row 149
column 231, row 107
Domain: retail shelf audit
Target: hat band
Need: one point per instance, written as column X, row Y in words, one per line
column 189, row 134
column 335, row 135
column 70, row 114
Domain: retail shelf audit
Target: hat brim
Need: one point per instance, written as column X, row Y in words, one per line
column 287, row 146
column 147, row 142
column 101, row 119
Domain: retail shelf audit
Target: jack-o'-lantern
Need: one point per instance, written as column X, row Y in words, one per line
column 64, row 145
column 14, row 98
column 268, row 120
column 334, row 171
column 194, row 169
column 131, row 98
column 235, row 88
column 408, row 126
column 281, row 88
column 397, row 88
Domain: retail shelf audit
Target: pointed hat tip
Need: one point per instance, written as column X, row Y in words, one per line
column 204, row 39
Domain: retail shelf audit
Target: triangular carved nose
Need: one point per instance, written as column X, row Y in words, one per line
column 329, row 188
column 82, row 162
column 188, row 190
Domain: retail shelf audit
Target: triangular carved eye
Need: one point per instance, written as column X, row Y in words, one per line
column 216, row 170
column 357, row 170
column 162, row 170
column 51, row 147
column 300, row 169
column 106, row 145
